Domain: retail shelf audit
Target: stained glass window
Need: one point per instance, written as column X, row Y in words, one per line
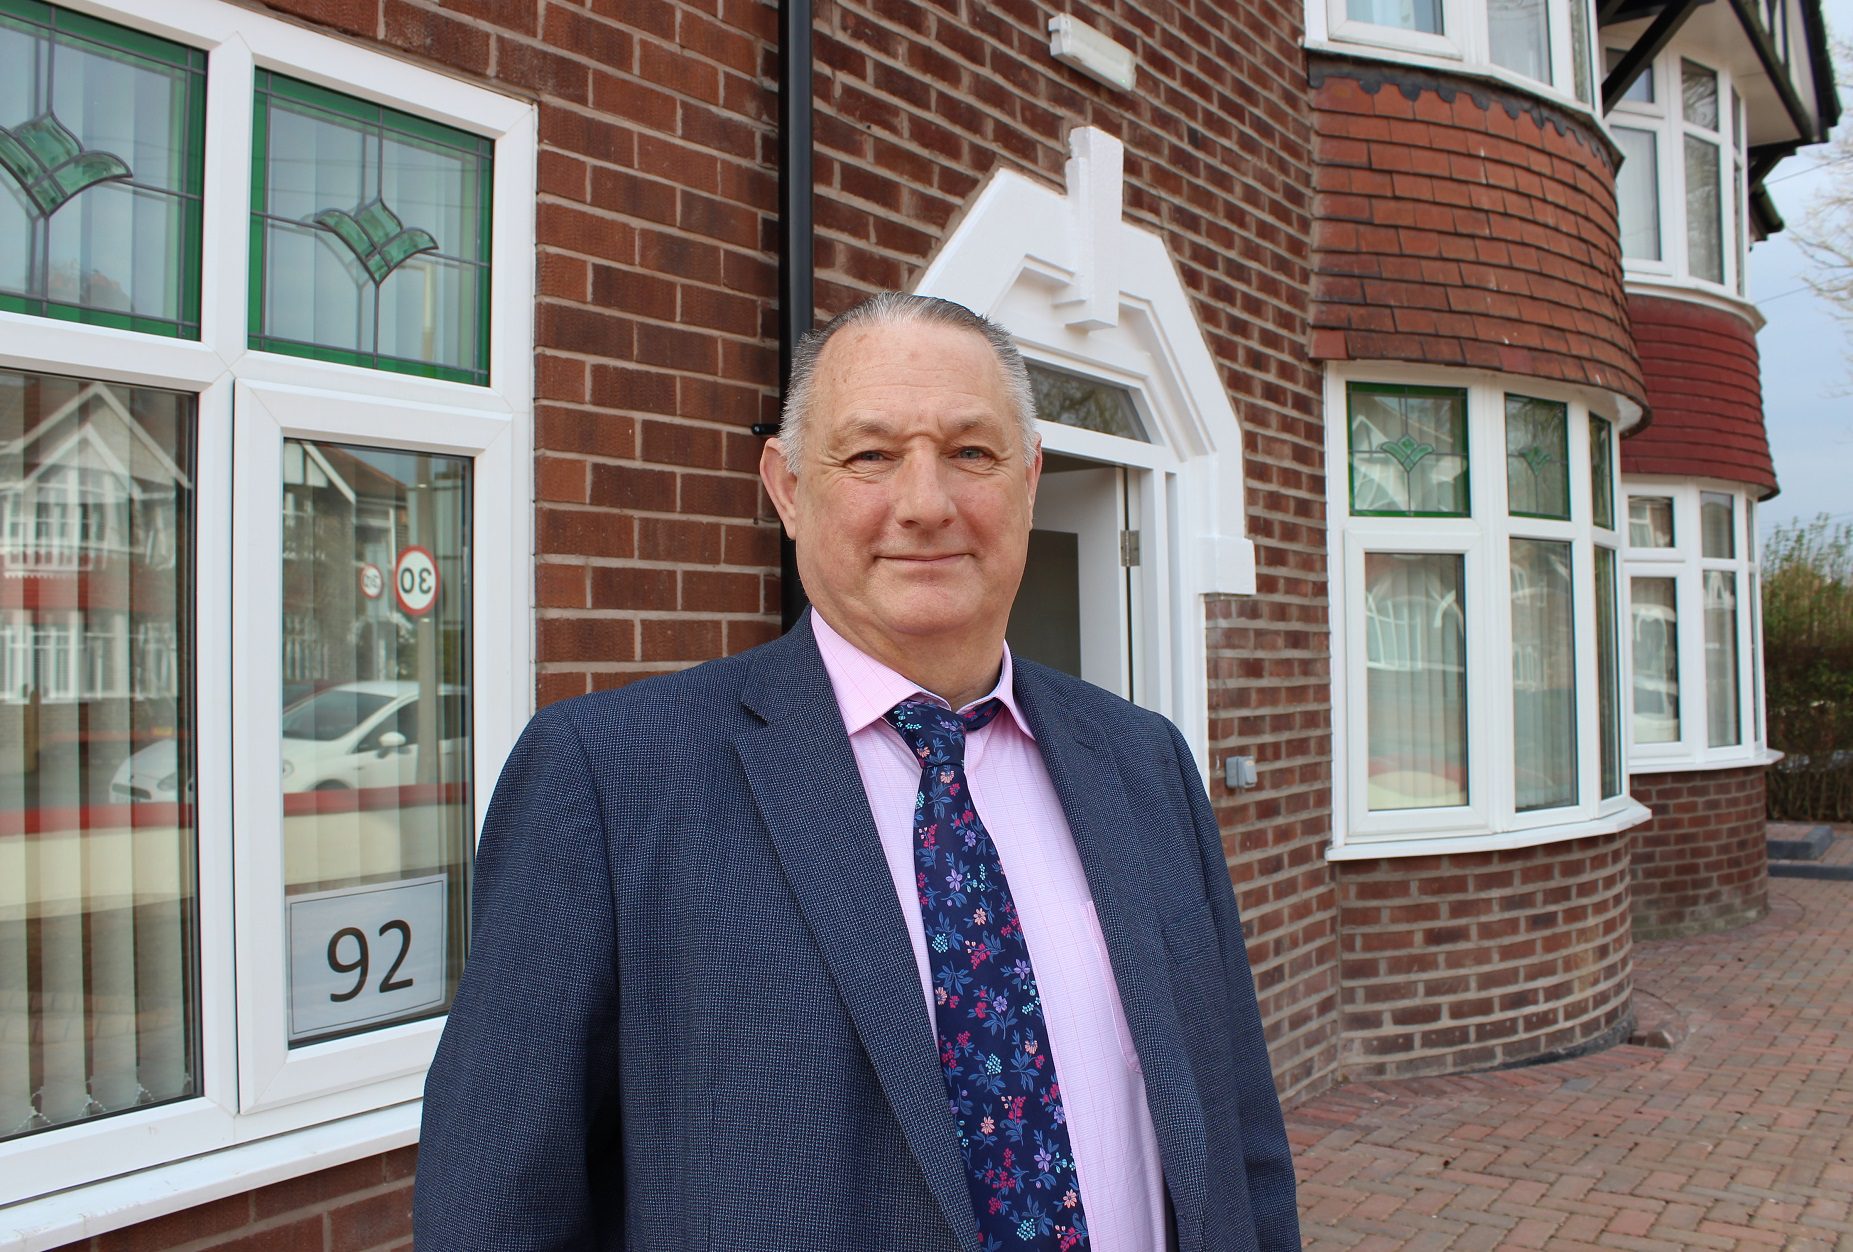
column 369, row 234
column 101, row 165
column 1537, row 457
column 1408, row 450
column 1602, row 472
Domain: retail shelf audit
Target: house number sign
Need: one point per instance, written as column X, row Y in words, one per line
column 365, row 956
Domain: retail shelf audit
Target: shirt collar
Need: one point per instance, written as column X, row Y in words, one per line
column 866, row 689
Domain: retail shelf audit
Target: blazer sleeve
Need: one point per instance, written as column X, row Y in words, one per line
column 520, row 1134
column 1266, row 1154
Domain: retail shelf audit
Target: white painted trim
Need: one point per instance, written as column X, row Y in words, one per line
column 270, row 1072
column 1021, row 252
column 56, row 1220
column 1626, row 818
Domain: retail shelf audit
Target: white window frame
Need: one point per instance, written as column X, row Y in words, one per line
column 265, row 1111
column 1685, row 564
column 1490, row 819
column 1464, row 44
column 1665, row 119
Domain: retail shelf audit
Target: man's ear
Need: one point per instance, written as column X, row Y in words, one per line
column 781, row 485
column 1033, row 474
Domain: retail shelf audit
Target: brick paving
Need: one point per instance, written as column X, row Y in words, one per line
column 1738, row 1135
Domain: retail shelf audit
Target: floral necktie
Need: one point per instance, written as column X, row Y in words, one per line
column 993, row 1043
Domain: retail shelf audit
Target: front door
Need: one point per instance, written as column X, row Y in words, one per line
column 1074, row 610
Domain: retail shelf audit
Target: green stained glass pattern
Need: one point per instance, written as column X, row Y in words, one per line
column 369, row 235
column 101, row 168
column 1408, row 450
column 1086, row 403
column 50, row 163
column 376, row 238
column 1537, row 458
column 1602, row 472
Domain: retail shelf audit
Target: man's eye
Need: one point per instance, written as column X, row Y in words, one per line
column 869, row 454
column 972, row 454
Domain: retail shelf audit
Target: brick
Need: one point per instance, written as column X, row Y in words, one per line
column 368, row 1223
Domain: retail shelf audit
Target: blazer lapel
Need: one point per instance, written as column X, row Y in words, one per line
column 1087, row 780
column 809, row 792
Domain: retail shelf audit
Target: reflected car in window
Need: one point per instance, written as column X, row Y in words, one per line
column 349, row 736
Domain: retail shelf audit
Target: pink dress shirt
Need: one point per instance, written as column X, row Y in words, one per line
column 1103, row 1089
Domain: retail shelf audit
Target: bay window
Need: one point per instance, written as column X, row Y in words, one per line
column 1693, row 614
column 1534, row 42
column 256, row 367
column 1477, row 608
column 1680, row 189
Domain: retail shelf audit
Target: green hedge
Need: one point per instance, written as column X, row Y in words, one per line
column 1808, row 667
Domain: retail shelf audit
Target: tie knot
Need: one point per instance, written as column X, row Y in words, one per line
column 937, row 734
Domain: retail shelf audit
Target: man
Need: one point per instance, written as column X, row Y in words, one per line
column 872, row 938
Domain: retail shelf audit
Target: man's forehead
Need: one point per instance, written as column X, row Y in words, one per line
column 858, row 425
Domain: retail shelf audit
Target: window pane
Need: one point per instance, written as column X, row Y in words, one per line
column 1579, row 49
column 1722, row 727
column 1608, row 671
column 1650, row 521
column 1418, row 15
column 1698, row 95
column 1537, row 457
column 1543, row 675
column 1656, row 660
column 376, row 734
column 369, row 236
column 1641, row 90
column 1087, row 403
column 1717, row 526
column 99, row 1007
column 1704, row 229
column 1756, row 661
column 1408, row 450
column 1602, row 472
column 1520, row 37
column 1637, row 192
column 1416, row 660
column 101, row 160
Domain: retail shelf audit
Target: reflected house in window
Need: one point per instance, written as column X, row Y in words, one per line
column 88, row 531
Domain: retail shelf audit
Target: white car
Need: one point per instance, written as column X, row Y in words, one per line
column 359, row 734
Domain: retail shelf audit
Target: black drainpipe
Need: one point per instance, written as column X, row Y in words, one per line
column 796, row 265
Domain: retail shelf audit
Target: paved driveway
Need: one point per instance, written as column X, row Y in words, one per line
column 1740, row 1135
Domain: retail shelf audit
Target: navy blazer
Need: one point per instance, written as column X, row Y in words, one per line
column 691, row 1017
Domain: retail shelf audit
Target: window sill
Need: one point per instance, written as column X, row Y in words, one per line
column 55, row 1220
column 1693, row 291
column 1631, row 814
column 1687, row 765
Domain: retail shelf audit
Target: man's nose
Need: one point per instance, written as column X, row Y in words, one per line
column 923, row 496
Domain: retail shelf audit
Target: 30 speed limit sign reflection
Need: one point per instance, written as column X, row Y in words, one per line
column 415, row 581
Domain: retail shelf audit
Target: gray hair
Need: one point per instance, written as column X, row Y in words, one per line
column 899, row 308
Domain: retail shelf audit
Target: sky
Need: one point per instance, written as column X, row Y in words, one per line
column 1807, row 354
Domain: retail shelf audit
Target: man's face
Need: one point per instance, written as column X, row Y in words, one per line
column 911, row 509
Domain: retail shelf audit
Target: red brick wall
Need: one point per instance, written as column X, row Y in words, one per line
column 1453, row 963
column 364, row 1206
column 1705, row 387
column 1702, row 863
column 1466, row 224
